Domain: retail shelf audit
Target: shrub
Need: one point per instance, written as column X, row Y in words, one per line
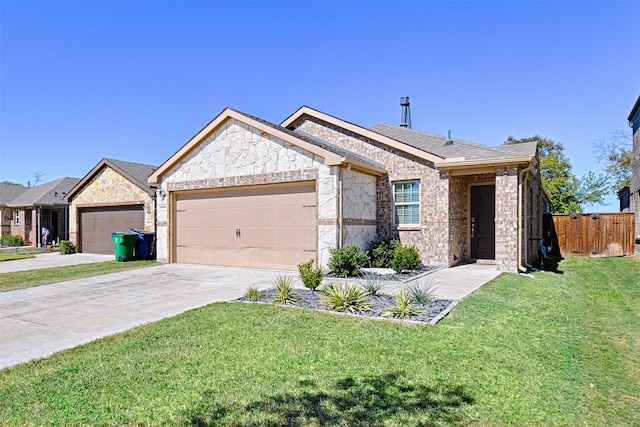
column 311, row 277
column 422, row 290
column 345, row 297
column 371, row 283
column 347, row 261
column 9, row 240
column 253, row 293
column 67, row 247
column 284, row 291
column 405, row 258
column 381, row 252
column 403, row 307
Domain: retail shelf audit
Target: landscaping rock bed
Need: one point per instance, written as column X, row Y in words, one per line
column 432, row 312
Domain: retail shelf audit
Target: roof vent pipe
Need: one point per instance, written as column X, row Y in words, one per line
column 405, row 120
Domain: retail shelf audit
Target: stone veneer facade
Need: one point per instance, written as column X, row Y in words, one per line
column 237, row 154
column 109, row 188
column 443, row 233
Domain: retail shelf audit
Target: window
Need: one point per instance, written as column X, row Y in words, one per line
column 406, row 200
column 16, row 216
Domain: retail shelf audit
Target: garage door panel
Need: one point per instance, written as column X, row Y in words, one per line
column 97, row 224
column 268, row 227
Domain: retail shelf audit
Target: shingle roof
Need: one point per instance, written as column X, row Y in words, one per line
column 454, row 148
column 139, row 171
column 9, row 192
column 48, row 194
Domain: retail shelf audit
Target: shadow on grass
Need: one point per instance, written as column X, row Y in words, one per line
column 372, row 401
column 551, row 264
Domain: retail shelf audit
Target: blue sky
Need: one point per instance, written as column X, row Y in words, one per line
column 134, row 81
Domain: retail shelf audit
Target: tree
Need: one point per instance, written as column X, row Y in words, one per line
column 617, row 153
column 11, row 183
column 565, row 192
column 38, row 175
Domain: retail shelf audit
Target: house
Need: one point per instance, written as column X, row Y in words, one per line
column 38, row 207
column 8, row 192
column 624, row 196
column 114, row 196
column 247, row 192
column 634, row 185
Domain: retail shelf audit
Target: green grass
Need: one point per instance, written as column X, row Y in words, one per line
column 20, row 253
column 12, row 256
column 558, row 349
column 44, row 276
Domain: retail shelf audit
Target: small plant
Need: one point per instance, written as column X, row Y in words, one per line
column 381, row 252
column 347, row 261
column 405, row 258
column 9, row 240
column 403, row 307
column 345, row 297
column 253, row 294
column 284, row 291
column 67, row 247
column 371, row 283
column 422, row 291
column 311, row 277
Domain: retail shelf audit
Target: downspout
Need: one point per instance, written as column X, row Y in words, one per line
column 523, row 266
column 39, row 227
column 340, row 203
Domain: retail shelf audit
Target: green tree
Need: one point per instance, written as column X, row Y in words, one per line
column 11, row 183
column 566, row 193
column 616, row 153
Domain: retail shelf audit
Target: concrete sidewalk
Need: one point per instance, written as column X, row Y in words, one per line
column 52, row 259
column 37, row 322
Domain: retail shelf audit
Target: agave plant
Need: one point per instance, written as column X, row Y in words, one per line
column 422, row 291
column 371, row 283
column 284, row 291
column 403, row 307
column 253, row 293
column 345, row 297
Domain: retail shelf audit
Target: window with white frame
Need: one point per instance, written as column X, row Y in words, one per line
column 16, row 216
column 406, row 201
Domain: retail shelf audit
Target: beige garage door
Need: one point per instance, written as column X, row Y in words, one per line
column 263, row 227
column 97, row 224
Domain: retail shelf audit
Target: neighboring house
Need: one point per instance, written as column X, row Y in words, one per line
column 113, row 196
column 624, row 196
column 247, row 192
column 8, row 192
column 634, row 186
column 39, row 207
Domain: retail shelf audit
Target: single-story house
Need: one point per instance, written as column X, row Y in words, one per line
column 8, row 192
column 38, row 207
column 114, row 196
column 247, row 192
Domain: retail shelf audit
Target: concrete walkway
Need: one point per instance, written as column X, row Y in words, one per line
column 37, row 322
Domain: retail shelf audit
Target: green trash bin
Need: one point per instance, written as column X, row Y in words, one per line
column 123, row 244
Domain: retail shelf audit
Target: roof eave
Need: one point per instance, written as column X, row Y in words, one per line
column 367, row 133
column 634, row 110
column 471, row 164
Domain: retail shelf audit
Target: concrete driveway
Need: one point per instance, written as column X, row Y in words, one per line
column 37, row 322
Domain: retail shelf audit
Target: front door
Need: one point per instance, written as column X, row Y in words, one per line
column 483, row 229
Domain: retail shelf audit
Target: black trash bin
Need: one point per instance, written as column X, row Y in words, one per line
column 144, row 243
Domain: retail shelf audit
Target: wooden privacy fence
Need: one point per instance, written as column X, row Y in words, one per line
column 592, row 235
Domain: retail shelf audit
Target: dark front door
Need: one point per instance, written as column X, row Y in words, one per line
column 483, row 229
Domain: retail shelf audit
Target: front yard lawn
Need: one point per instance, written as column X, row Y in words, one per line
column 559, row 349
column 44, row 276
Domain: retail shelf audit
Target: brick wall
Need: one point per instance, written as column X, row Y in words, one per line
column 506, row 219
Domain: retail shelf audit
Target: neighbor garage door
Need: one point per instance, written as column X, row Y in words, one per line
column 266, row 227
column 97, row 224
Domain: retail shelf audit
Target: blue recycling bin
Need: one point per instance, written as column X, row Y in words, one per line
column 144, row 243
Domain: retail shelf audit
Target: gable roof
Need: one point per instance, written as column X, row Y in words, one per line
column 8, row 192
column 137, row 173
column 333, row 156
column 359, row 130
column 48, row 194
